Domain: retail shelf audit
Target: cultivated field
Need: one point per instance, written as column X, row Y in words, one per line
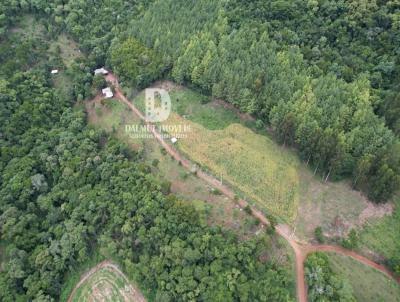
column 106, row 284
column 251, row 163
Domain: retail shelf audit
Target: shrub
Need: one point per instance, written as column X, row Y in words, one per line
column 205, row 100
column 215, row 191
column 351, row 241
column 247, row 209
column 318, row 234
column 184, row 175
column 166, row 187
column 155, row 162
column 259, row 124
column 99, row 82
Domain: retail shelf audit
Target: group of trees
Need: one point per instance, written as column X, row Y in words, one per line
column 67, row 189
column 136, row 64
column 323, row 284
column 259, row 56
column 61, row 196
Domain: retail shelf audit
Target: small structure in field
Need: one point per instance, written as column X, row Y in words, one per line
column 54, row 71
column 107, row 92
column 101, row 71
column 174, row 140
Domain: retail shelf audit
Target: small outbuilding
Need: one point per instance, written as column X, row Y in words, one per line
column 54, row 71
column 107, row 92
column 174, row 140
column 101, row 71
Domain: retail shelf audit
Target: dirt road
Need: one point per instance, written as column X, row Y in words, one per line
column 300, row 250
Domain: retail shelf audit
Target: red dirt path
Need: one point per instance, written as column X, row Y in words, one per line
column 300, row 250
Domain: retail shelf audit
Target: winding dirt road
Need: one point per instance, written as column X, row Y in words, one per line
column 300, row 250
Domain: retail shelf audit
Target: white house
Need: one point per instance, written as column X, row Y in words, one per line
column 54, row 71
column 101, row 71
column 107, row 92
column 174, row 140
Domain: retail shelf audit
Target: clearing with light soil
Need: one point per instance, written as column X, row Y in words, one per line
column 105, row 282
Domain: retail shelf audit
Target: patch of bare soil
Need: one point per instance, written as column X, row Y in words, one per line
column 375, row 211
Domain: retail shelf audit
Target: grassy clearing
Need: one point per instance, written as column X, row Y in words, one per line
column 58, row 52
column 66, row 48
column 219, row 140
column 322, row 203
column 105, row 285
column 29, row 28
column 369, row 285
column 198, row 109
column 383, row 235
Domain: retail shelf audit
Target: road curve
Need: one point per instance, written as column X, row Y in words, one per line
column 300, row 250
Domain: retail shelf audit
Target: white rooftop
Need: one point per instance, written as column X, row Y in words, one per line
column 101, row 70
column 174, row 140
column 107, row 92
column 54, row 71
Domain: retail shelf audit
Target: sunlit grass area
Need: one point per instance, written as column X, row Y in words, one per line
column 369, row 285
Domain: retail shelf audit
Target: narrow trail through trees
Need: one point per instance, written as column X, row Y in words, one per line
column 300, row 250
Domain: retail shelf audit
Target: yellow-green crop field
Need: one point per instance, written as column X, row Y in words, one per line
column 250, row 162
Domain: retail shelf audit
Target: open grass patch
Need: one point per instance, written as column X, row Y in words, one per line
column 369, row 285
column 29, row 27
column 66, row 48
column 333, row 206
column 383, row 235
column 199, row 109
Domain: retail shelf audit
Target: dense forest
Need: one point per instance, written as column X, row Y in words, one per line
column 68, row 190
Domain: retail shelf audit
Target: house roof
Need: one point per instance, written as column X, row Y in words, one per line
column 107, row 92
column 101, row 70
